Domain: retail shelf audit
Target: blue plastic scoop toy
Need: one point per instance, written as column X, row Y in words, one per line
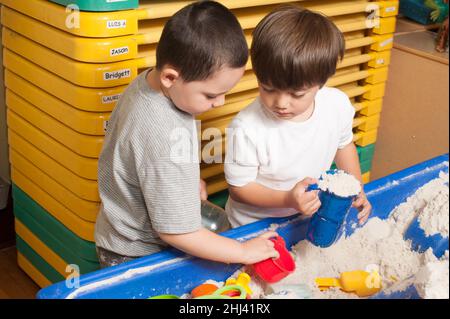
column 420, row 242
column 326, row 225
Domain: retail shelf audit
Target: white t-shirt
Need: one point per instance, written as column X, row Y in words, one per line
column 279, row 153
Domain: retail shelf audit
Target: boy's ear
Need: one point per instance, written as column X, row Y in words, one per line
column 168, row 76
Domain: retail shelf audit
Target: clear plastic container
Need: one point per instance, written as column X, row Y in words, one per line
column 214, row 217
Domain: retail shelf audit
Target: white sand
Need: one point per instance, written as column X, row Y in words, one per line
column 432, row 280
column 433, row 194
column 378, row 245
column 340, row 183
column 435, row 215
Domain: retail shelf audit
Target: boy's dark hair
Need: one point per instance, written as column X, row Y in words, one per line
column 200, row 39
column 294, row 49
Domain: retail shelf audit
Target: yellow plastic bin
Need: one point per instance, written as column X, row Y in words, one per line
column 149, row 19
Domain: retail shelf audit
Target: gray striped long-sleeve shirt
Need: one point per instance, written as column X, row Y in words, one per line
column 145, row 185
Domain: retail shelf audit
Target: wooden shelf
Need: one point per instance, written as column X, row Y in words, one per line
column 421, row 43
column 405, row 25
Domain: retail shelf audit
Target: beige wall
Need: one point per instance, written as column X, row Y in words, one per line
column 414, row 123
column 4, row 164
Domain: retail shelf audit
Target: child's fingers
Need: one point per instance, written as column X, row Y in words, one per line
column 270, row 250
column 308, row 181
column 313, row 202
column 274, row 254
column 316, row 207
column 312, row 207
column 358, row 202
column 269, row 234
column 364, row 215
column 203, row 191
column 310, row 196
column 365, row 209
column 363, row 219
column 311, row 180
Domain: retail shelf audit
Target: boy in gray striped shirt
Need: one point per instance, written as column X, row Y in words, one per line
column 151, row 194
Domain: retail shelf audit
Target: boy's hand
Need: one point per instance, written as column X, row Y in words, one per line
column 307, row 203
column 259, row 248
column 364, row 207
column 203, row 192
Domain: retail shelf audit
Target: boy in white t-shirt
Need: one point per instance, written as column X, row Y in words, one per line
column 297, row 127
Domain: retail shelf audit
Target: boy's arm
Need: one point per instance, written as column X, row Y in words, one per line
column 208, row 245
column 241, row 169
column 203, row 190
column 257, row 195
column 260, row 196
column 347, row 160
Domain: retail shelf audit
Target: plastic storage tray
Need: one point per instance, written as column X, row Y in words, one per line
column 172, row 272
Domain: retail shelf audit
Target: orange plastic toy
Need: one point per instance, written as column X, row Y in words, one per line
column 203, row 290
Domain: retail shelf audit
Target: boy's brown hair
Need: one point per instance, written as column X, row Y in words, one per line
column 295, row 49
column 200, row 39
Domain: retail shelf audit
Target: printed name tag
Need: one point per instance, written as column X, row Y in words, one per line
column 110, row 99
column 119, row 51
column 388, row 41
column 116, row 75
column 116, row 24
column 390, row 9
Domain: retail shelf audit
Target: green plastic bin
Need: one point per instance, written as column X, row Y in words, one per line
column 85, row 249
column 100, row 5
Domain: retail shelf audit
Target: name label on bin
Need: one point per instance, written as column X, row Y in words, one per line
column 116, row 24
column 390, row 9
column 385, row 43
column 119, row 51
column 117, row 75
column 110, row 99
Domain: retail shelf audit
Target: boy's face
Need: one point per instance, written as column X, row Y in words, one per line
column 287, row 105
column 199, row 96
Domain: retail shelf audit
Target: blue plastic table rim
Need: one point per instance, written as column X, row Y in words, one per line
column 171, row 259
